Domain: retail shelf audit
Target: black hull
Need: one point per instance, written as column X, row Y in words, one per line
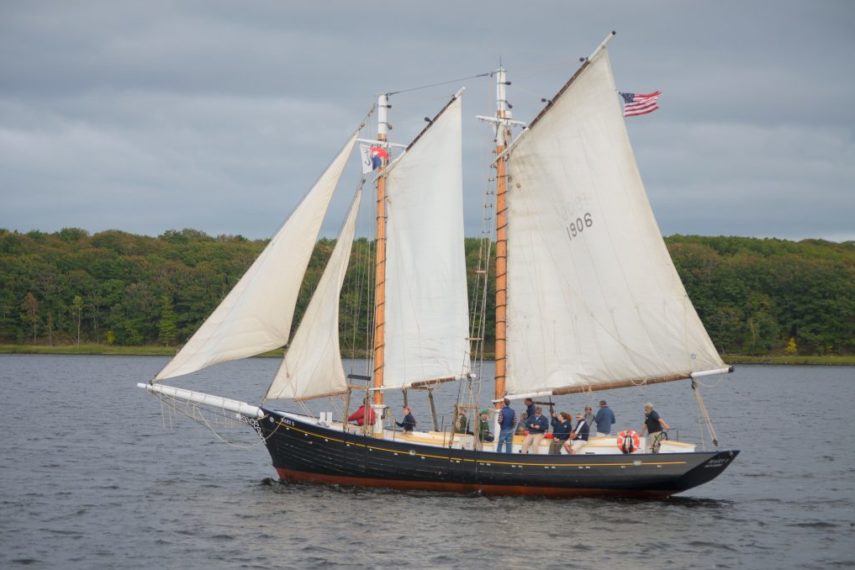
column 303, row 451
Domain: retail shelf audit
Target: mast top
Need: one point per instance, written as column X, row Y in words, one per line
column 503, row 108
column 383, row 125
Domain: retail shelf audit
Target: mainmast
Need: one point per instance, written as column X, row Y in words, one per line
column 380, row 256
column 503, row 114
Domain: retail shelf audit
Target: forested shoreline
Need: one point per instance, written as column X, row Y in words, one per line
column 755, row 296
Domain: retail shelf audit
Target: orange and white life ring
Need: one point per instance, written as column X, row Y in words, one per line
column 628, row 441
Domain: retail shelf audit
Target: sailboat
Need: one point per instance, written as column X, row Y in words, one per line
column 587, row 299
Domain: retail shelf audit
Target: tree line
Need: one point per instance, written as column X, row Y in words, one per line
column 755, row 296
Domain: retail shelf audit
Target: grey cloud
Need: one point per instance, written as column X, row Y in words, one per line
column 219, row 116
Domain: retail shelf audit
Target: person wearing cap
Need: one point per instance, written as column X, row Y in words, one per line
column 579, row 435
column 537, row 426
column 484, row 426
column 507, row 424
column 653, row 425
column 409, row 422
column 605, row 418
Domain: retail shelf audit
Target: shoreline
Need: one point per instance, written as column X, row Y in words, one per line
column 114, row 350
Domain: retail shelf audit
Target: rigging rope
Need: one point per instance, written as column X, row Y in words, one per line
column 195, row 413
column 696, row 390
column 428, row 86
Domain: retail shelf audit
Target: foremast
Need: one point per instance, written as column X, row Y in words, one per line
column 380, row 256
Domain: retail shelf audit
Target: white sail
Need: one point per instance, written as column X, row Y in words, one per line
column 256, row 314
column 427, row 319
column 312, row 366
column 593, row 297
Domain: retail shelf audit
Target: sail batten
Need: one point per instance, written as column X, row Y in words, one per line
column 426, row 306
column 312, row 367
column 256, row 315
column 594, row 301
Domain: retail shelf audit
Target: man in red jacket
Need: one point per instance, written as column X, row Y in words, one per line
column 359, row 416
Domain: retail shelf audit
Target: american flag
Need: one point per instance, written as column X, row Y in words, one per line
column 635, row 104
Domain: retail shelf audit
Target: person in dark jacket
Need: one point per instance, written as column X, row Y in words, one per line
column 507, row 424
column 409, row 423
column 654, row 426
column 562, row 425
column 579, row 435
column 529, row 408
column 605, row 419
column 537, row 426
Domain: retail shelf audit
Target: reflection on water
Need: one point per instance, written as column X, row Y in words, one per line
column 90, row 478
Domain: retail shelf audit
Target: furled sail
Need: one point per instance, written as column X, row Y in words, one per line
column 312, row 366
column 256, row 314
column 427, row 319
column 594, row 300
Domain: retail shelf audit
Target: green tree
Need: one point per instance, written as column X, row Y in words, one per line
column 77, row 311
column 168, row 323
column 31, row 312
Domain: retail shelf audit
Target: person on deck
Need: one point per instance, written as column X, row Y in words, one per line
column 409, row 423
column 507, row 424
column 562, row 425
column 589, row 416
column 461, row 424
column 359, row 416
column 537, row 426
column 484, row 433
column 529, row 408
column 605, row 419
column 579, row 436
column 655, row 426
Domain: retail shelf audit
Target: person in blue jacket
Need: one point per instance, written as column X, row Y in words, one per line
column 537, row 426
column 507, row 424
column 605, row 419
column 562, row 425
column 529, row 408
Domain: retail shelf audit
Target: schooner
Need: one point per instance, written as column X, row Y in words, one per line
column 587, row 299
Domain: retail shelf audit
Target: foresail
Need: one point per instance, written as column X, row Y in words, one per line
column 427, row 321
column 256, row 314
column 593, row 297
column 312, row 366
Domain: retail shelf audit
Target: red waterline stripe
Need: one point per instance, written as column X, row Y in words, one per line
column 518, row 490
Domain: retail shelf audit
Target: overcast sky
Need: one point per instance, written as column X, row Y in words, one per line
column 218, row 116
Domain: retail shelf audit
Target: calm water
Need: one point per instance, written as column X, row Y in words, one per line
column 92, row 476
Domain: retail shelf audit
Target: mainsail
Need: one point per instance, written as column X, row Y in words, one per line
column 312, row 366
column 427, row 320
column 594, row 300
column 256, row 314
